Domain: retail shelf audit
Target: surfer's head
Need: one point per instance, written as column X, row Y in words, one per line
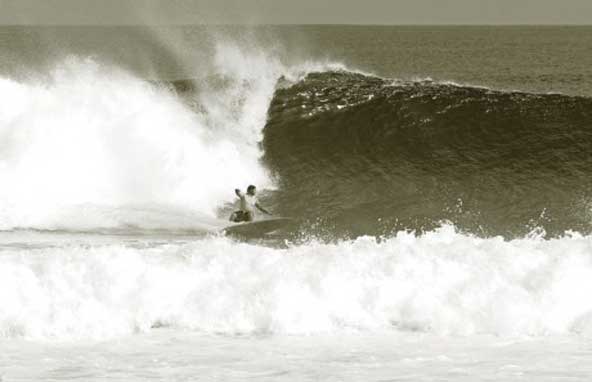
column 251, row 190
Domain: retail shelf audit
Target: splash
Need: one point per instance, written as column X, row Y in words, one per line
column 95, row 137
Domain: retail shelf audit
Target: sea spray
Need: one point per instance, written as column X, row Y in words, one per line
column 97, row 136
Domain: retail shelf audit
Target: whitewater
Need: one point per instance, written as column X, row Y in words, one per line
column 95, row 136
column 441, row 282
column 114, row 189
column 442, row 304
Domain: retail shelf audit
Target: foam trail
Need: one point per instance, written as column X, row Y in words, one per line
column 442, row 282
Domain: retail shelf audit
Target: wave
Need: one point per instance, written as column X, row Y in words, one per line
column 346, row 153
column 368, row 154
column 442, row 282
column 94, row 151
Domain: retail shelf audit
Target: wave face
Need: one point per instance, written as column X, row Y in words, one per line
column 364, row 155
column 442, row 282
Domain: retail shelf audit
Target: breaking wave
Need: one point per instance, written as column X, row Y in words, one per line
column 370, row 168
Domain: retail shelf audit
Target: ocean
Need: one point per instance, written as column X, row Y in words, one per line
column 439, row 181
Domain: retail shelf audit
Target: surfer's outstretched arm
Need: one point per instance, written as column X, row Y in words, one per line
column 262, row 209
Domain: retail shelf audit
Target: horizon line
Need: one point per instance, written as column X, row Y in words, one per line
column 295, row 24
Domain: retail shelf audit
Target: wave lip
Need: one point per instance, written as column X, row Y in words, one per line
column 442, row 282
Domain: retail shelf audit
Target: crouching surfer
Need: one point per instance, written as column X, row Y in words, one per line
column 248, row 203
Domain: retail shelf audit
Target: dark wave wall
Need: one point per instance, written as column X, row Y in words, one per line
column 365, row 155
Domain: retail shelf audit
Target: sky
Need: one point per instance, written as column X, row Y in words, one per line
column 165, row 12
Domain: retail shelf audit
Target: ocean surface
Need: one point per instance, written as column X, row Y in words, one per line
column 439, row 180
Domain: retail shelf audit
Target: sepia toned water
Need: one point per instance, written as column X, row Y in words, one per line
column 438, row 179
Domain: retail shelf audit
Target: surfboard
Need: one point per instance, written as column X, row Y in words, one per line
column 257, row 228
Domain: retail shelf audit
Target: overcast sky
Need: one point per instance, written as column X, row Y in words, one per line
column 296, row 12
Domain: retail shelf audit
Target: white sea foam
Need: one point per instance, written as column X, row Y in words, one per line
column 442, row 282
column 95, row 136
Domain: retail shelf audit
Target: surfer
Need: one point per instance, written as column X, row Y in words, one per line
column 248, row 203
